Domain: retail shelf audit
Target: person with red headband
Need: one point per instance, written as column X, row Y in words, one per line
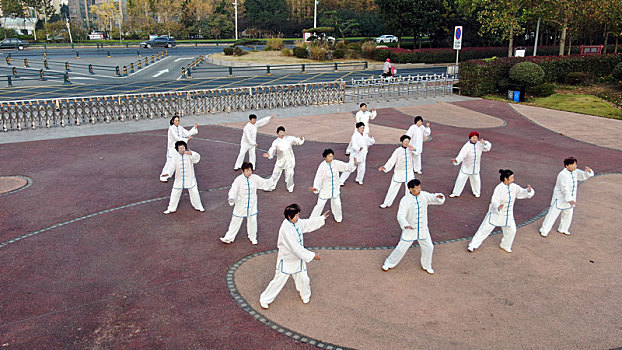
column 386, row 69
column 471, row 158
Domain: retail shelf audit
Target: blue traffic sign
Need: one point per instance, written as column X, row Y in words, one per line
column 458, row 33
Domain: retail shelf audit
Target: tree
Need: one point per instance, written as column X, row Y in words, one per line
column 340, row 21
column 429, row 18
column 219, row 25
column 562, row 13
column 268, row 15
column 11, row 8
column 106, row 14
column 397, row 16
column 504, row 18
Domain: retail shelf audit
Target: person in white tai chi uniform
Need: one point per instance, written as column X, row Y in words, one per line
column 501, row 211
column 363, row 116
column 182, row 165
column 326, row 183
column 248, row 142
column 285, row 160
column 360, row 145
column 243, row 196
column 293, row 257
column 413, row 219
column 564, row 197
column 418, row 133
column 471, row 158
column 402, row 159
column 175, row 133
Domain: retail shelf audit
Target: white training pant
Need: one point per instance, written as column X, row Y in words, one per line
column 335, row 207
column 166, row 169
column 417, row 162
column 360, row 170
column 427, row 247
column 195, row 198
column 551, row 216
column 486, row 228
column 394, row 188
column 301, row 279
column 234, row 227
column 252, row 157
column 289, row 178
column 474, row 180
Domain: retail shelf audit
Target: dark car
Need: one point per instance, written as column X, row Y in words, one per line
column 159, row 42
column 13, row 44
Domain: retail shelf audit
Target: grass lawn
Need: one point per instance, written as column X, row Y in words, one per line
column 579, row 103
column 272, row 58
column 603, row 100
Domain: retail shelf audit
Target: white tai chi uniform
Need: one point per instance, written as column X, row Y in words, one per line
column 326, row 183
column 413, row 211
column 402, row 159
column 285, row 160
column 360, row 146
column 182, row 165
column 363, row 117
column 292, row 258
column 564, row 192
column 471, row 158
column 175, row 133
column 417, row 135
column 506, row 195
column 248, row 142
column 243, row 196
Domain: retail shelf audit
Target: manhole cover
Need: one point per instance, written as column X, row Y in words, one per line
column 12, row 183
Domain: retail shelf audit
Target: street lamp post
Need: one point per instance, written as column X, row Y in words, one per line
column 235, row 4
column 315, row 14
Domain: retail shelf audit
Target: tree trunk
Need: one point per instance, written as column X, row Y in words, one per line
column 616, row 49
column 562, row 39
column 569, row 44
column 399, row 41
column 606, row 40
column 511, row 42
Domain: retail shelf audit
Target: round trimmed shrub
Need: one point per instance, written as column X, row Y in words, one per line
column 617, row 71
column 339, row 53
column 228, row 51
column 239, row 52
column 300, row 52
column 286, row 52
column 542, row 90
column 527, row 73
column 578, row 78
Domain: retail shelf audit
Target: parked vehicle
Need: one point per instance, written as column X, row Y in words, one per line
column 163, row 41
column 386, row 39
column 13, row 44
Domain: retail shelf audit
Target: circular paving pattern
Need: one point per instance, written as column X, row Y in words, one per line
column 10, row 184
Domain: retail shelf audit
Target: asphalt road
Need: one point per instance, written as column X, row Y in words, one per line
column 162, row 75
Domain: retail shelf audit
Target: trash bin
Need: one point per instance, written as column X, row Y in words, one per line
column 516, row 92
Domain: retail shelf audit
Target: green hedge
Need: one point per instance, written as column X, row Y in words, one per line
column 480, row 77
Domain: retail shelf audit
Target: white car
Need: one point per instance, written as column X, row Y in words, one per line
column 386, row 39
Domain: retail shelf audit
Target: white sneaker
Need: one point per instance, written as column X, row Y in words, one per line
column 476, row 195
column 385, row 268
column 543, row 234
column 201, row 210
column 471, row 249
column 223, row 240
column 419, row 172
column 168, row 211
column 564, row 232
column 264, row 305
column 430, row 271
column 254, row 241
column 383, row 206
column 454, row 195
column 359, row 182
column 506, row 250
column 290, row 191
column 342, row 184
column 305, row 301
